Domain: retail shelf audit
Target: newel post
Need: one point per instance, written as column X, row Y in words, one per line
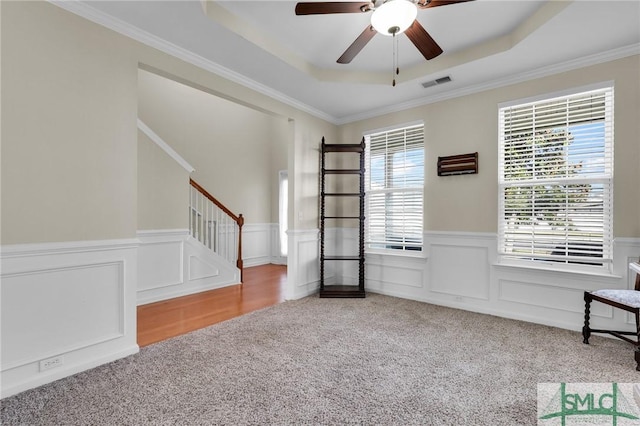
column 239, row 262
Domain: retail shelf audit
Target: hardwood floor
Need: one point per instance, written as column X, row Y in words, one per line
column 263, row 286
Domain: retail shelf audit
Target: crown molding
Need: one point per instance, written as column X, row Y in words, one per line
column 94, row 15
column 90, row 13
column 598, row 58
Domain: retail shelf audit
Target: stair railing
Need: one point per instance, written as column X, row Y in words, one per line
column 215, row 226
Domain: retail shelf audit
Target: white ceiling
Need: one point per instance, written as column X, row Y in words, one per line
column 486, row 43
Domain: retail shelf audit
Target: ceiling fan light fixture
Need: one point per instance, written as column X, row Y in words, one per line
column 394, row 16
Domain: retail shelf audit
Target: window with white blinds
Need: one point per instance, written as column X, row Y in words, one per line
column 394, row 181
column 556, row 179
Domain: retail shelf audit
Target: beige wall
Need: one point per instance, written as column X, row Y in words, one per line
column 229, row 145
column 68, row 128
column 163, row 188
column 303, row 135
column 306, row 160
column 470, row 123
column 69, row 134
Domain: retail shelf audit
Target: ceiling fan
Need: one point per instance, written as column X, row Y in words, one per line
column 389, row 17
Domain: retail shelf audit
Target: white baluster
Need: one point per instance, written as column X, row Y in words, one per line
column 212, row 227
column 191, row 209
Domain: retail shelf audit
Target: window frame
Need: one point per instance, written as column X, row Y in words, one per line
column 579, row 259
column 283, row 212
column 402, row 249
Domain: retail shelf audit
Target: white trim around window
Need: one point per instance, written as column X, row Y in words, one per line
column 394, row 186
column 556, row 179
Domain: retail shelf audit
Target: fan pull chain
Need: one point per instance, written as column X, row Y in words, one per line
column 395, row 68
column 397, row 55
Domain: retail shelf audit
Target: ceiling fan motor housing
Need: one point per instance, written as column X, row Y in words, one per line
column 394, row 16
column 389, row 18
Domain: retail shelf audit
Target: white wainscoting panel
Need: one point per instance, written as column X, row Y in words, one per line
column 174, row 264
column 554, row 297
column 393, row 274
column 65, row 328
column 461, row 270
column 336, row 242
column 75, row 302
column 200, row 269
column 160, row 259
column 550, row 297
column 276, row 256
column 256, row 244
column 303, row 264
column 342, row 242
column 401, row 276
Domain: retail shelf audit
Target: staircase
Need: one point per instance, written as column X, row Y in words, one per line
column 215, row 226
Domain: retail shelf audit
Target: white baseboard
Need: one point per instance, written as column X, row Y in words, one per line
column 74, row 303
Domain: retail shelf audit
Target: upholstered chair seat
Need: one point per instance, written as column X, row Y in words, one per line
column 628, row 300
column 627, row 297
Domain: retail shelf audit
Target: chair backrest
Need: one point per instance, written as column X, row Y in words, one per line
column 635, row 266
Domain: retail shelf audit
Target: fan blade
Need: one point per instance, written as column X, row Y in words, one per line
column 357, row 45
column 316, row 8
column 423, row 41
column 423, row 4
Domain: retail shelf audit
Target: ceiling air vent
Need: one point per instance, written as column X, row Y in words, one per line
column 437, row 81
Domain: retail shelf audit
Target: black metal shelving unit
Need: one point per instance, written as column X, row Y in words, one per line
column 342, row 290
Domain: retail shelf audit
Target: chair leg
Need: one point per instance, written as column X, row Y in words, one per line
column 637, row 351
column 586, row 331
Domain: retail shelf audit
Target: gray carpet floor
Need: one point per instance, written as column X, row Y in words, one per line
column 374, row 361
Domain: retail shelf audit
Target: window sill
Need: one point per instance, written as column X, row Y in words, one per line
column 397, row 253
column 555, row 269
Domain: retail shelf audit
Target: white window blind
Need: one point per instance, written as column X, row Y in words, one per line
column 394, row 182
column 555, row 179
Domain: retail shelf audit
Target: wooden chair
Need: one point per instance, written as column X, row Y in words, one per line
column 628, row 300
